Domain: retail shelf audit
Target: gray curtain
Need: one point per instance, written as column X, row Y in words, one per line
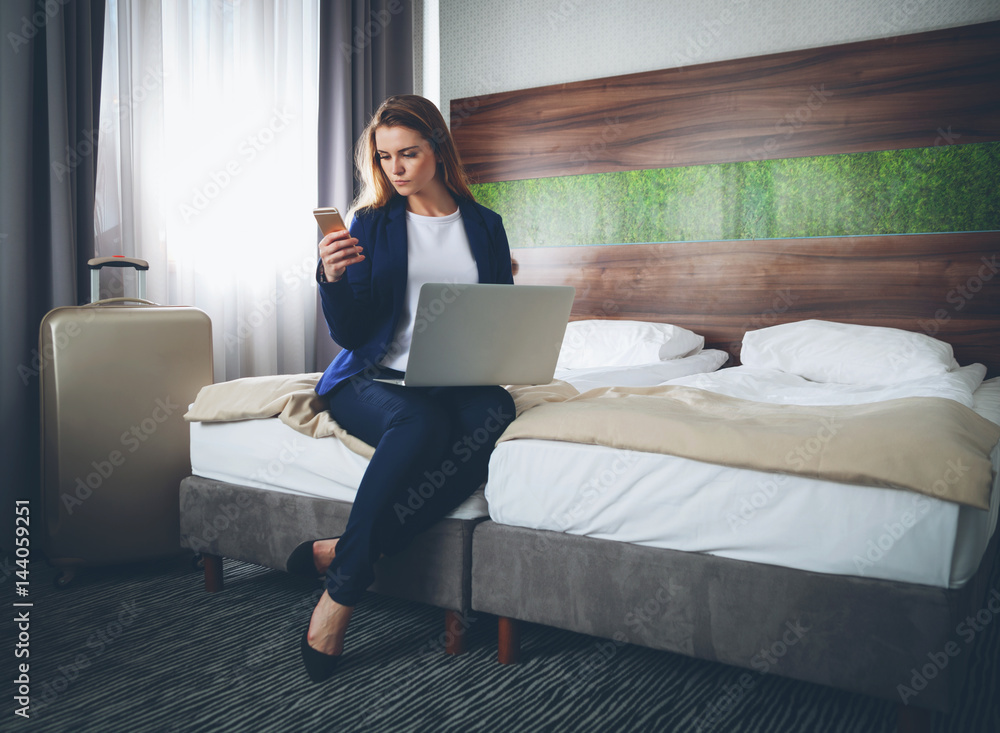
column 366, row 55
column 50, row 69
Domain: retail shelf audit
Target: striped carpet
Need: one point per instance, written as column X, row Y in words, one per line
column 146, row 649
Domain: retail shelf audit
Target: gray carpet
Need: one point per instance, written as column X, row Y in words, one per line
column 146, row 649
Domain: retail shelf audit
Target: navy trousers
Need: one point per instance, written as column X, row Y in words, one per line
column 432, row 450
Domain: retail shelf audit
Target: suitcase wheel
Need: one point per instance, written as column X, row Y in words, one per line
column 65, row 577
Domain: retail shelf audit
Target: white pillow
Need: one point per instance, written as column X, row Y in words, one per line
column 843, row 353
column 599, row 343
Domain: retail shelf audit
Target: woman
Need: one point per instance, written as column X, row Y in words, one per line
column 415, row 221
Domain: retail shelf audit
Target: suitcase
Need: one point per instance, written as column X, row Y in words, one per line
column 117, row 377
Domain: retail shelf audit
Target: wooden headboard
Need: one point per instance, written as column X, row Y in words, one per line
column 921, row 90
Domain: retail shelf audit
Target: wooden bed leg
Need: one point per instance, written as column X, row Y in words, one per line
column 509, row 641
column 913, row 719
column 213, row 572
column 454, row 633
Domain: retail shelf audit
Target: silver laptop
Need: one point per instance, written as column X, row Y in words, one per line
column 477, row 334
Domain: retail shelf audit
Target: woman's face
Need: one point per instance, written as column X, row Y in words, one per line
column 406, row 158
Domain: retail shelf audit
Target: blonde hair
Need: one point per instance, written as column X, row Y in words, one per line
column 420, row 115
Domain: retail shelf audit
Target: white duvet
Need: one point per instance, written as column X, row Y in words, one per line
column 776, row 387
column 643, row 375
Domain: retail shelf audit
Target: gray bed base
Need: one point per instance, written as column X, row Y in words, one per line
column 219, row 519
column 856, row 634
column 860, row 635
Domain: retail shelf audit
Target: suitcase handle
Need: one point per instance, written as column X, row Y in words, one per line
column 126, row 299
column 117, row 261
column 97, row 263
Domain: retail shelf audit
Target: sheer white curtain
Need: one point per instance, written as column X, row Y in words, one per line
column 207, row 168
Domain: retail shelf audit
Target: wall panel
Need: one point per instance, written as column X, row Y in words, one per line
column 902, row 92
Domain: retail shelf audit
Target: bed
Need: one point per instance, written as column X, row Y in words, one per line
column 871, row 629
column 610, row 489
column 721, row 562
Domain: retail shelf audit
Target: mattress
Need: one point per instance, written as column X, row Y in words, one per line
column 778, row 519
column 267, row 454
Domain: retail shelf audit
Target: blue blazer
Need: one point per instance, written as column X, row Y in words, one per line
column 362, row 309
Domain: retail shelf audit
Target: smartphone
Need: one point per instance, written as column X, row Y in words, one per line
column 329, row 219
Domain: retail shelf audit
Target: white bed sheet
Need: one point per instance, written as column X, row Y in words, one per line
column 681, row 504
column 267, row 454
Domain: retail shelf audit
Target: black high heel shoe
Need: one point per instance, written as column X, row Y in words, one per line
column 300, row 562
column 319, row 666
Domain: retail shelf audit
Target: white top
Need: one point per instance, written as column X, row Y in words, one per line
column 437, row 251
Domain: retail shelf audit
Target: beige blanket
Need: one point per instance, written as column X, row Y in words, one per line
column 291, row 398
column 930, row 445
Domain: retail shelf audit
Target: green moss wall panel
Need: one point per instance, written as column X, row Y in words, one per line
column 948, row 188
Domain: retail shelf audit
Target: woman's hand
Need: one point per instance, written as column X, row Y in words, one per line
column 337, row 250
